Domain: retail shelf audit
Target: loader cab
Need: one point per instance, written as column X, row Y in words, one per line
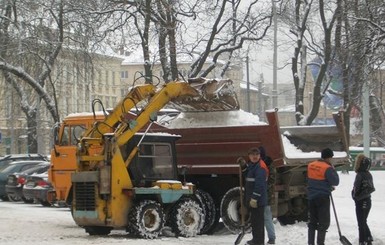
column 155, row 160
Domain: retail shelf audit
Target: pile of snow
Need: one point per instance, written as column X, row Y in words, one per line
column 214, row 119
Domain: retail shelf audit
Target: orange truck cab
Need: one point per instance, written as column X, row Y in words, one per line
column 63, row 153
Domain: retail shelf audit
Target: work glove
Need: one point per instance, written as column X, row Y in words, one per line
column 253, row 203
column 242, row 162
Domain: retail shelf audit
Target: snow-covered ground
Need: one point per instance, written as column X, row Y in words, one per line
column 33, row 224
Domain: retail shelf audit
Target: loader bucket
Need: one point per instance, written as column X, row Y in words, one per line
column 207, row 95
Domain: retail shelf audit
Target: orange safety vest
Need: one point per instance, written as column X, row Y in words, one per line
column 264, row 166
column 316, row 170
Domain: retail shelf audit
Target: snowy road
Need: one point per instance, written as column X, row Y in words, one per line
column 22, row 224
column 33, row 224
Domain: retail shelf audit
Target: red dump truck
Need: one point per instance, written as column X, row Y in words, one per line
column 206, row 156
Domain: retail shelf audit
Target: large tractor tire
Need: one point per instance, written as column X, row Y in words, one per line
column 211, row 216
column 146, row 219
column 186, row 218
column 98, row 230
column 231, row 211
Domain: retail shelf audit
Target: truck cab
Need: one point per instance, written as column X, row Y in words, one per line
column 63, row 153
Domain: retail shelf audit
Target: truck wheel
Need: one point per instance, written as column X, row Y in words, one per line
column 209, row 211
column 298, row 211
column 231, row 211
column 186, row 218
column 98, row 230
column 146, row 219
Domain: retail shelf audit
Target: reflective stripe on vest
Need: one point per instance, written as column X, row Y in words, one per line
column 250, row 179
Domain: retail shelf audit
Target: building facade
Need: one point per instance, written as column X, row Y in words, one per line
column 75, row 84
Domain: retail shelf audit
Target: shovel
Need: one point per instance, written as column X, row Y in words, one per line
column 242, row 233
column 343, row 239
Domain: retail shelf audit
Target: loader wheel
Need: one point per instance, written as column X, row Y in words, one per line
column 231, row 211
column 186, row 218
column 146, row 219
column 211, row 216
column 98, row 230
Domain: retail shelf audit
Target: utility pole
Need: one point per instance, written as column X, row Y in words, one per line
column 365, row 118
column 275, row 89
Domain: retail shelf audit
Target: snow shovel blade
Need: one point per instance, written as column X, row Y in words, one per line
column 207, row 95
column 240, row 236
column 344, row 240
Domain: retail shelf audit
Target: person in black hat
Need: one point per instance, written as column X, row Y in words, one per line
column 322, row 177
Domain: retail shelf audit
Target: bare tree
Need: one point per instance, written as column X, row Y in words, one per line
column 312, row 26
column 33, row 35
column 204, row 31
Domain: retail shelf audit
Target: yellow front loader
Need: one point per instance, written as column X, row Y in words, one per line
column 126, row 177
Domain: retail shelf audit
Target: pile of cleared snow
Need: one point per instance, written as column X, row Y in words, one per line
column 214, row 119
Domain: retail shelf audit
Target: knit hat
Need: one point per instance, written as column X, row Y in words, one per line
column 254, row 151
column 327, row 153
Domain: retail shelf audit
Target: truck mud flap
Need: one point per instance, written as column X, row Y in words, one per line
column 209, row 95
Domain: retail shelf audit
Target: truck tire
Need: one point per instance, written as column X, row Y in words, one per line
column 186, row 218
column 146, row 219
column 98, row 230
column 231, row 211
column 211, row 217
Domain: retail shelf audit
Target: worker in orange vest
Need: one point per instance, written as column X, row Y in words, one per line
column 322, row 177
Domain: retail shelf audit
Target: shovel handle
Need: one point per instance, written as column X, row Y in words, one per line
column 335, row 214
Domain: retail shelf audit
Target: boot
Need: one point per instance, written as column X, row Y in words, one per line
column 321, row 237
column 310, row 236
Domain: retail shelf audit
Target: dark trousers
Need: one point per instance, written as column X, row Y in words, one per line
column 362, row 212
column 258, row 224
column 319, row 219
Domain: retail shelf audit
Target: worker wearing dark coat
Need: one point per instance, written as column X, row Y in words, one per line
column 322, row 177
column 361, row 194
column 256, row 194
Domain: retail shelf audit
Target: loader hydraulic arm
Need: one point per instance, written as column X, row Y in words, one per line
column 198, row 95
column 134, row 96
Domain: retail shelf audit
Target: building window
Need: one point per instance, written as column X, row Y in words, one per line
column 113, row 78
column 124, row 74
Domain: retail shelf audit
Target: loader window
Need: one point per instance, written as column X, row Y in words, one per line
column 155, row 161
column 71, row 134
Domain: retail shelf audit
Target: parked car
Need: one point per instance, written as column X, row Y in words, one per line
column 15, row 182
column 12, row 167
column 4, row 160
column 38, row 187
